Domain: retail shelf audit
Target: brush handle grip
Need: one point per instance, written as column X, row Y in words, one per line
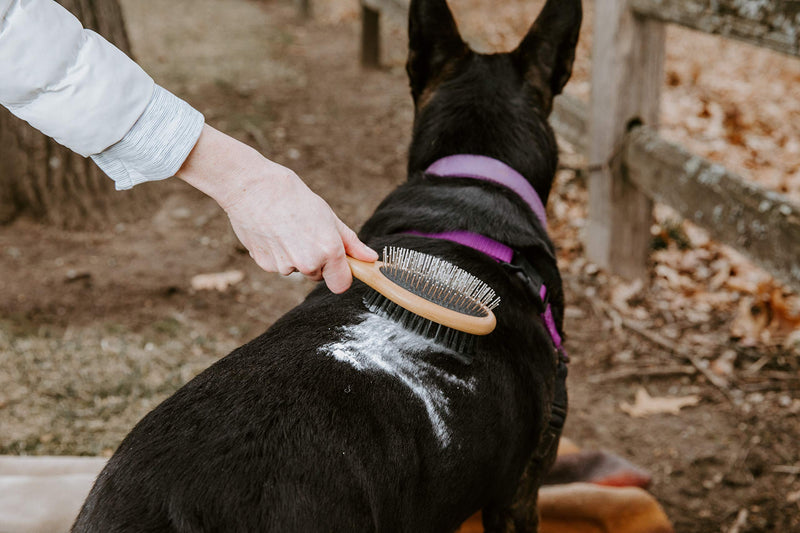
column 370, row 274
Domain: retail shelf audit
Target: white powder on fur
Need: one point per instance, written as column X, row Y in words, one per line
column 377, row 344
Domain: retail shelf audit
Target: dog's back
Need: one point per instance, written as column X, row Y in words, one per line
column 337, row 419
column 353, row 426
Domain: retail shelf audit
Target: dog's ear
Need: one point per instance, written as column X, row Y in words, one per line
column 433, row 42
column 546, row 53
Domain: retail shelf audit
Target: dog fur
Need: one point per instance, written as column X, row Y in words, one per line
column 339, row 420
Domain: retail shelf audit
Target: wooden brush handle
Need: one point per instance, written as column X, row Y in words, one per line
column 370, row 274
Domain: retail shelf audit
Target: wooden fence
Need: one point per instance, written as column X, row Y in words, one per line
column 630, row 165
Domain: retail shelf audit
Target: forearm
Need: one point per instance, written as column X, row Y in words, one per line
column 223, row 167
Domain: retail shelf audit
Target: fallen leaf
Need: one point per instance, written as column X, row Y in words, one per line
column 623, row 293
column 724, row 365
column 219, row 281
column 646, row 405
column 75, row 275
column 767, row 317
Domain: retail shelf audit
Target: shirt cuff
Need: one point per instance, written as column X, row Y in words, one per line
column 157, row 144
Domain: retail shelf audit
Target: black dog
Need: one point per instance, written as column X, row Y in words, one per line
column 337, row 419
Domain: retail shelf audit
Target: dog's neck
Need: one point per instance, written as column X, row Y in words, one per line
column 492, row 170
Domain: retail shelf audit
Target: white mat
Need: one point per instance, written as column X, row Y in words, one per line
column 44, row 494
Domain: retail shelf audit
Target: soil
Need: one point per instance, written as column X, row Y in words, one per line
column 98, row 327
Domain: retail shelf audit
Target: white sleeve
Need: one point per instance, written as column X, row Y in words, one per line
column 157, row 144
column 79, row 89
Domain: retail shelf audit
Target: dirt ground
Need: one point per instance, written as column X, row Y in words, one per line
column 98, row 327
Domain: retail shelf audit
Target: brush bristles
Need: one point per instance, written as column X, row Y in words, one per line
column 438, row 281
column 458, row 341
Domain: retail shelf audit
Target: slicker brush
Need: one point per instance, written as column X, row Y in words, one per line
column 429, row 296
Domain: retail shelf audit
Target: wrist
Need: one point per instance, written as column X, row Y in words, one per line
column 221, row 167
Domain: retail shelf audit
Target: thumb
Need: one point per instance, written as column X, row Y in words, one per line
column 353, row 245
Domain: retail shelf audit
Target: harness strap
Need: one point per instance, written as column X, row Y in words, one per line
column 505, row 255
column 496, row 250
column 550, row 322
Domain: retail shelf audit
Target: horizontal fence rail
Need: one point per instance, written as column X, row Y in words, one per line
column 398, row 7
column 763, row 225
column 771, row 24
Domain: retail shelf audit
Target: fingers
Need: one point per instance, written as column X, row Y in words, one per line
column 286, row 270
column 315, row 263
column 336, row 271
column 284, row 239
column 353, row 245
column 337, row 275
column 331, row 265
column 315, row 275
column 312, row 270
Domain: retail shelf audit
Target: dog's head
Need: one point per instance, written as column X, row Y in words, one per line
column 495, row 105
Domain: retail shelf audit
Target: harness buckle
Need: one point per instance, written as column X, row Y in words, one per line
column 522, row 269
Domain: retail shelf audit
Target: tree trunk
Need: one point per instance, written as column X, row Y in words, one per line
column 47, row 181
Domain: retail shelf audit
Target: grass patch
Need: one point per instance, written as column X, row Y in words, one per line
column 82, row 391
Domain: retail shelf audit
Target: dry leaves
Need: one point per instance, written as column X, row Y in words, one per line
column 646, row 405
column 705, row 282
column 768, row 316
column 219, row 281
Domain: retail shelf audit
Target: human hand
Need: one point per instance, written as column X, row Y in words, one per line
column 288, row 228
column 284, row 225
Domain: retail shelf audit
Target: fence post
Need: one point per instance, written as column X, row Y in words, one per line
column 627, row 73
column 304, row 8
column 370, row 37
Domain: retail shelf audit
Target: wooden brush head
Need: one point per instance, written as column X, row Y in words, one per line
column 432, row 289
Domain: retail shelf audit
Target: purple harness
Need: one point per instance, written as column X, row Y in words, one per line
column 487, row 169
